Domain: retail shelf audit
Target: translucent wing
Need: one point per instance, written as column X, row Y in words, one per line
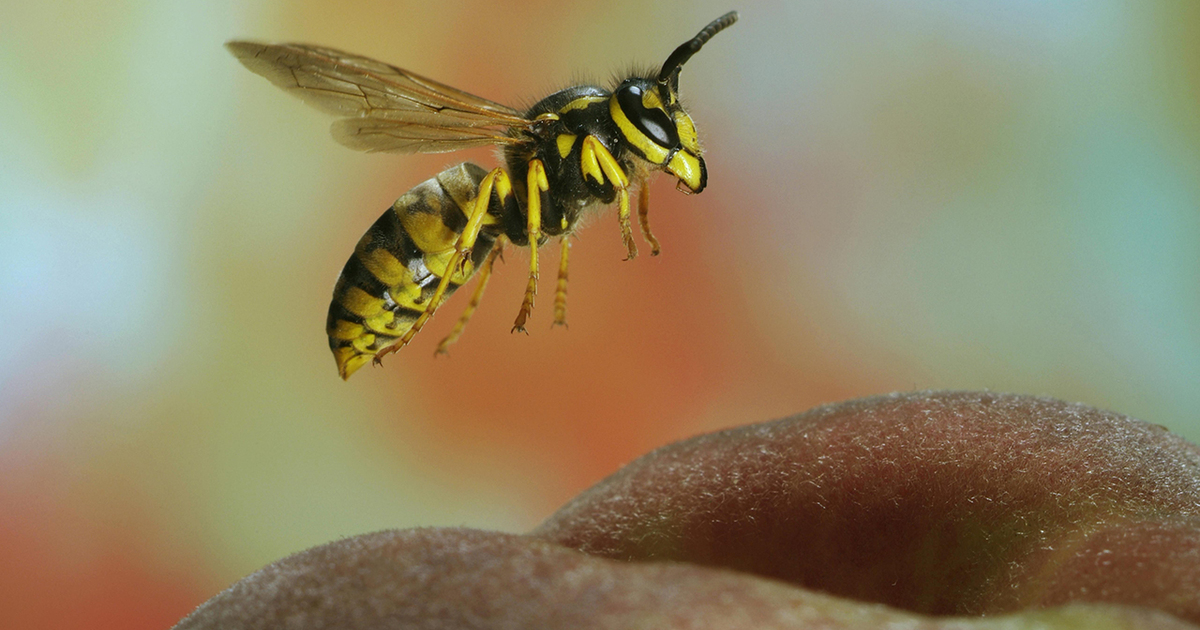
column 383, row 107
column 398, row 136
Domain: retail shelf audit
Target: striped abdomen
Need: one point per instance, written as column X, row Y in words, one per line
column 396, row 267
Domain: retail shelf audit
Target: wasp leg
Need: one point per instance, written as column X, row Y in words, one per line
column 537, row 184
column 597, row 163
column 644, row 218
column 496, row 180
column 560, row 291
column 485, row 272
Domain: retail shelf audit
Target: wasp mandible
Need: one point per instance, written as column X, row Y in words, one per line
column 580, row 147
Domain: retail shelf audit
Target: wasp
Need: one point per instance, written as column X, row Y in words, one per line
column 580, row 147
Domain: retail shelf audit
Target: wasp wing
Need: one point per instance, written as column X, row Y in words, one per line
column 384, row 108
column 395, row 136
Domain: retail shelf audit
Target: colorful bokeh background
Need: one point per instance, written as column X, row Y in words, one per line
column 903, row 195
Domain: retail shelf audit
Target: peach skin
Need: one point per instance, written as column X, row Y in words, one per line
column 921, row 510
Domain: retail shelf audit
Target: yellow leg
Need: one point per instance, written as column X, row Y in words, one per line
column 597, row 163
column 537, row 184
column 484, row 273
column 498, row 180
column 644, row 218
column 560, row 291
column 626, row 227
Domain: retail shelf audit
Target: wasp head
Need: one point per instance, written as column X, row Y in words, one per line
column 649, row 114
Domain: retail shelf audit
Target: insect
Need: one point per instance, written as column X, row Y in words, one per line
column 580, row 147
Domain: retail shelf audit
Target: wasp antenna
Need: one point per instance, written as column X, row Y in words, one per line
column 668, row 77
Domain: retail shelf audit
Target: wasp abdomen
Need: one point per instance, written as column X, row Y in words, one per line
column 398, row 263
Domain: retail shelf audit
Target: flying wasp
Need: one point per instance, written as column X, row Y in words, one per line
column 579, row 147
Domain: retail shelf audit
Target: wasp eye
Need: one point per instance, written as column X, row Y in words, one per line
column 653, row 122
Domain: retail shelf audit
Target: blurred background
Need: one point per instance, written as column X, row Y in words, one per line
column 902, row 195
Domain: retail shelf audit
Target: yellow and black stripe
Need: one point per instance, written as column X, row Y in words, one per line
column 396, row 267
